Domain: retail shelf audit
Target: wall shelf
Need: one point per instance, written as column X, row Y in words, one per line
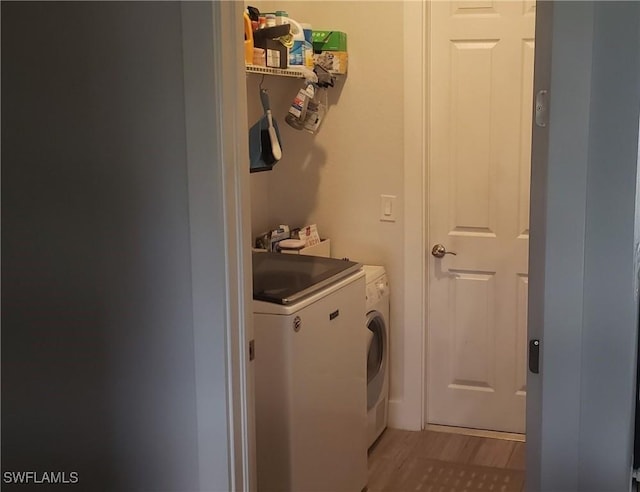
column 298, row 73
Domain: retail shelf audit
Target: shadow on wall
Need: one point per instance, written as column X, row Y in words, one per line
column 335, row 92
column 295, row 178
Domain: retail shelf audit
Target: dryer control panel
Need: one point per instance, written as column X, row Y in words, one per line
column 377, row 289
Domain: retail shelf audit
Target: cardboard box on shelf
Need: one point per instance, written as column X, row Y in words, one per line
column 333, row 61
column 276, row 54
column 329, row 41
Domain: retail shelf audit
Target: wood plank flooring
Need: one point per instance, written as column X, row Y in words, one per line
column 431, row 461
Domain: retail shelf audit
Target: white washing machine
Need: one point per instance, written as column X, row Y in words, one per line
column 310, row 374
column 377, row 309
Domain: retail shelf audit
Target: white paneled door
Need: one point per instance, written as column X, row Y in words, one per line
column 480, row 102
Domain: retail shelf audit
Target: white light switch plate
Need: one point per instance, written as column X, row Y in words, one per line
column 388, row 208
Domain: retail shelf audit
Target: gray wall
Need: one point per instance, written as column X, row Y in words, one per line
column 98, row 363
column 610, row 314
column 583, row 302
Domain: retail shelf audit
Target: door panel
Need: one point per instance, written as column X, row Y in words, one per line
column 473, row 323
column 479, row 165
column 470, row 108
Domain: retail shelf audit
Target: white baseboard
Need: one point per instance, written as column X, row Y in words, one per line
column 505, row 436
column 403, row 417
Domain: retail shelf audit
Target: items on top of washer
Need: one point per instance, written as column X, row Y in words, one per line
column 268, row 241
column 283, row 238
column 309, row 234
column 294, row 244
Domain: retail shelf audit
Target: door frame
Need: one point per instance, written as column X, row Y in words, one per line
column 418, row 253
column 545, row 21
column 406, row 404
column 220, row 218
column 237, row 205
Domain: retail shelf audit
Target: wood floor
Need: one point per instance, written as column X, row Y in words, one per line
column 431, row 461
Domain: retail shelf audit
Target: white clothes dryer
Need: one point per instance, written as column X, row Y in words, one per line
column 377, row 312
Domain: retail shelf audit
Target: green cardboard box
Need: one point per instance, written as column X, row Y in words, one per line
column 329, row 41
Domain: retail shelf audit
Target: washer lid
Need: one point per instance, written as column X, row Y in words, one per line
column 284, row 279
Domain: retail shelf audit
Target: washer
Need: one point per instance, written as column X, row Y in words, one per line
column 377, row 311
column 310, row 373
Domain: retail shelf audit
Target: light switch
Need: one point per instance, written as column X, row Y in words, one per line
column 388, row 208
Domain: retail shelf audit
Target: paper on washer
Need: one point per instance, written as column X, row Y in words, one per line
column 310, row 235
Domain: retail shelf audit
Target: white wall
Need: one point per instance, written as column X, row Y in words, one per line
column 336, row 177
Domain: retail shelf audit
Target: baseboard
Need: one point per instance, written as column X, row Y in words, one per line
column 507, row 436
column 403, row 417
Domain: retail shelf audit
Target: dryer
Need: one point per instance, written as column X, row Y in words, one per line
column 377, row 315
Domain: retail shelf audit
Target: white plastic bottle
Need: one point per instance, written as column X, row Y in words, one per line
column 297, row 52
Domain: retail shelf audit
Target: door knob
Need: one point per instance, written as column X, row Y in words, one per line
column 439, row 251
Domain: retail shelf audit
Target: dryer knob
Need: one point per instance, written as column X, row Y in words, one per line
column 382, row 287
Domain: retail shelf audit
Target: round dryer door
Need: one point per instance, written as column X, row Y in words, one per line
column 376, row 357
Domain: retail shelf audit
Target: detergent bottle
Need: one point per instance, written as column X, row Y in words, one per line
column 297, row 53
column 248, row 39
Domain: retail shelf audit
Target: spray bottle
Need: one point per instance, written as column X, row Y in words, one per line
column 298, row 110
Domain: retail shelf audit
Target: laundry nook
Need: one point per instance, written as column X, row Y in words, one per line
column 320, row 246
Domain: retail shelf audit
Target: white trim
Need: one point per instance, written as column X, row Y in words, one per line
column 207, row 276
column 505, row 436
column 405, row 411
column 235, row 169
column 425, row 200
column 215, row 114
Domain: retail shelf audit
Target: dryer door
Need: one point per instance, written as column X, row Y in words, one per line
column 376, row 357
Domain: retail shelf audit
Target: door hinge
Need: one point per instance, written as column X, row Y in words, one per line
column 252, row 350
column 534, row 356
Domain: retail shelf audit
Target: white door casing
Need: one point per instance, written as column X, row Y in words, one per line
column 480, row 94
column 217, row 146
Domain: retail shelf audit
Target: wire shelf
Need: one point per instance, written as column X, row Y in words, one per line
column 298, row 73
